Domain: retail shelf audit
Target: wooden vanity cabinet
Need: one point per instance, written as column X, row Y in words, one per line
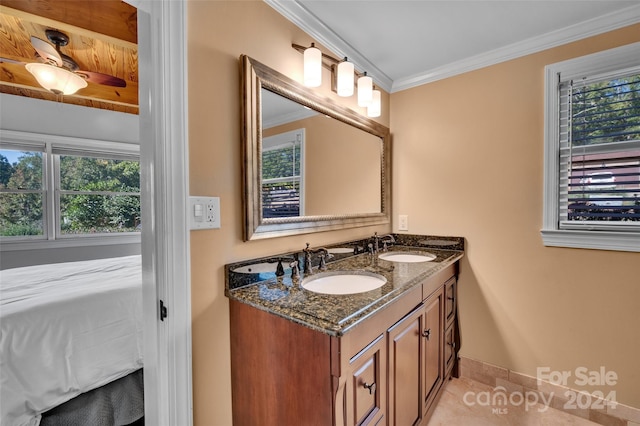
column 405, row 368
column 416, row 361
column 432, row 340
column 367, row 384
column 450, row 337
column 387, row 370
column 281, row 372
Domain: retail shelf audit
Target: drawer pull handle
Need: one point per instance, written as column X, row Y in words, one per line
column 450, row 297
column 371, row 387
column 427, row 334
column 452, row 344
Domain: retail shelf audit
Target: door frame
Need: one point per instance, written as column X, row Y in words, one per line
column 162, row 60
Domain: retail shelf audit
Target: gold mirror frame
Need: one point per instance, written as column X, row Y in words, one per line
column 256, row 76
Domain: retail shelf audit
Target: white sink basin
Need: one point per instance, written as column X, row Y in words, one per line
column 340, row 250
column 407, row 257
column 343, row 282
column 257, row 268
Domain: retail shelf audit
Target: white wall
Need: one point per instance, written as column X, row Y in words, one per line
column 22, row 114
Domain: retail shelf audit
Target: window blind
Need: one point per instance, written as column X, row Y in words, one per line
column 281, row 176
column 599, row 138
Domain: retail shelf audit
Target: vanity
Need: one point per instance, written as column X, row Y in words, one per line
column 361, row 333
column 300, row 356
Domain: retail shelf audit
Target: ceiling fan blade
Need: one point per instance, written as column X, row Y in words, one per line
column 11, row 61
column 46, row 51
column 99, row 78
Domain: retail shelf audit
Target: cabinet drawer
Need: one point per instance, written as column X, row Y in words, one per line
column 450, row 288
column 368, row 383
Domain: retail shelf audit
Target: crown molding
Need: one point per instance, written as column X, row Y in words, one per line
column 592, row 27
column 296, row 13
column 309, row 23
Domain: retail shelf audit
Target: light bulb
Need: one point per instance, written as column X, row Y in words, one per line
column 345, row 78
column 375, row 107
column 365, row 90
column 55, row 79
column 312, row 66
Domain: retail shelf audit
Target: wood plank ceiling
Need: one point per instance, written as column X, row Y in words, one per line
column 102, row 38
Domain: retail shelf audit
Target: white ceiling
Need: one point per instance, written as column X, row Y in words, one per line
column 402, row 44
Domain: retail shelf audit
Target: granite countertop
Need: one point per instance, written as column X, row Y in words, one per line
column 337, row 314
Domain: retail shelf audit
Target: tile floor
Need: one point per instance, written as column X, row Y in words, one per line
column 453, row 411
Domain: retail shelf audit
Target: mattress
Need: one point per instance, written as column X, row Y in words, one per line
column 66, row 329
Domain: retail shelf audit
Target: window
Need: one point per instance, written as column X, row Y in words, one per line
column 59, row 189
column 282, row 176
column 592, row 151
column 22, row 193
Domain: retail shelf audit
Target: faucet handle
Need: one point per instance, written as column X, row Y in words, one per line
column 323, row 262
column 295, row 270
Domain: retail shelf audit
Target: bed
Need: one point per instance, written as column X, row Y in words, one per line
column 67, row 329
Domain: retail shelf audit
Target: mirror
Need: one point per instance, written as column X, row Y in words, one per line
column 310, row 164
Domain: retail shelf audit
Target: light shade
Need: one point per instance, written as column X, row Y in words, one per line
column 312, row 66
column 55, row 79
column 365, row 90
column 345, row 78
column 375, row 107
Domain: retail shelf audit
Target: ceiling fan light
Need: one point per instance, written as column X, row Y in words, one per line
column 365, row 90
column 312, row 66
column 345, row 78
column 55, row 79
column 375, row 107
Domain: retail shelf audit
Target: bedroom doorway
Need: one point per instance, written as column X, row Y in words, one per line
column 162, row 57
column 164, row 192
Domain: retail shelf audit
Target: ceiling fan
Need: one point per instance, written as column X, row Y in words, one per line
column 58, row 72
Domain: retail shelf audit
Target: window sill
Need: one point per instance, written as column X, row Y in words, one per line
column 70, row 242
column 599, row 240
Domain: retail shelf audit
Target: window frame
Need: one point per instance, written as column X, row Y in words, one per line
column 278, row 141
column 52, row 146
column 605, row 62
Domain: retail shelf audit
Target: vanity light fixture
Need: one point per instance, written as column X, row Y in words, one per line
column 56, row 79
column 375, row 107
column 312, row 66
column 345, row 78
column 365, row 90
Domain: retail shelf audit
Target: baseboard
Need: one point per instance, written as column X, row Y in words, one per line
column 578, row 403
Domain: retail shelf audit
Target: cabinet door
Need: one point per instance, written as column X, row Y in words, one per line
column 405, row 369
column 449, row 349
column 368, row 384
column 450, row 293
column 432, row 337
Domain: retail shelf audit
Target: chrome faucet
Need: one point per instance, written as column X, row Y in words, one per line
column 385, row 239
column 324, row 255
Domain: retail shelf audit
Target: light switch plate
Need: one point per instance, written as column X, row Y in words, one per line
column 204, row 212
column 403, row 222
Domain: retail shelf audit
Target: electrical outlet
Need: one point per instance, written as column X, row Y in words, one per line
column 403, row 222
column 210, row 215
column 204, row 212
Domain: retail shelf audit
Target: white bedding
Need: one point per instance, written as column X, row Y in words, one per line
column 66, row 329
